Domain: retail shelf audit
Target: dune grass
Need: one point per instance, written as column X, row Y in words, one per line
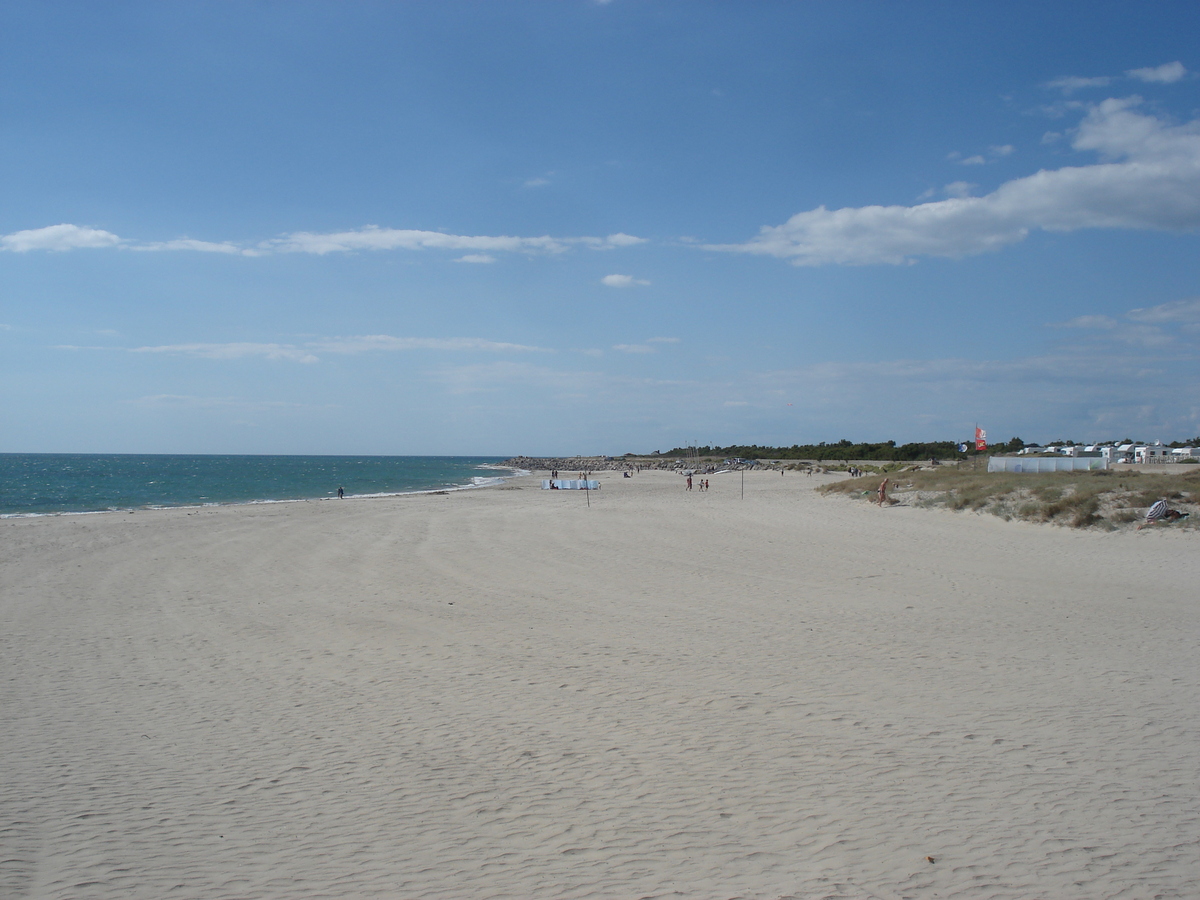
column 1106, row 499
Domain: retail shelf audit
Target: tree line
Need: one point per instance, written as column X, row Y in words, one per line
column 845, row 449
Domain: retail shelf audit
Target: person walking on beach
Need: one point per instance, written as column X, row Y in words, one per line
column 883, row 492
column 341, row 493
column 689, row 482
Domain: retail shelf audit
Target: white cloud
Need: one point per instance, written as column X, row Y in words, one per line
column 1068, row 84
column 1150, row 180
column 373, row 237
column 309, row 351
column 1151, row 327
column 1184, row 311
column 1168, row 73
column 199, row 246
column 620, row 239
column 633, row 348
column 238, row 350
column 959, row 189
column 385, row 342
column 58, row 237
column 1114, row 331
column 1002, row 150
column 974, row 161
column 370, row 237
column 536, row 182
column 622, row 281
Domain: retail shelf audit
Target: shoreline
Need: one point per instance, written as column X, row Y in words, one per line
column 478, row 482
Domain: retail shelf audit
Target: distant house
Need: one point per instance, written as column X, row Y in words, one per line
column 1152, row 453
column 1121, row 453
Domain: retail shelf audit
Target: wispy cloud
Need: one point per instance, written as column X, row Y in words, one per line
column 236, row 350
column 369, row 238
column 372, row 237
column 622, row 281
column 385, row 342
column 633, row 348
column 1150, row 179
column 311, row 351
column 1101, row 322
column 198, row 246
column 1184, row 311
column 1165, row 325
column 1168, row 73
column 239, row 404
column 663, row 340
column 503, row 375
column 1069, row 84
column 58, row 238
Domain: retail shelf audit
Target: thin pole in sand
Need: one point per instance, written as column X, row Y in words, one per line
column 587, row 491
column 743, row 484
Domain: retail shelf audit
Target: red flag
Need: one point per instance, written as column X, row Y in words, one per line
column 980, row 438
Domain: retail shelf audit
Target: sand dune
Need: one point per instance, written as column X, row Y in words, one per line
column 505, row 693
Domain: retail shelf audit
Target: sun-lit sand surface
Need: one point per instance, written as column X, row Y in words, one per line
column 504, row 693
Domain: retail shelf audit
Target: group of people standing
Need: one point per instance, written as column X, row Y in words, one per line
column 701, row 482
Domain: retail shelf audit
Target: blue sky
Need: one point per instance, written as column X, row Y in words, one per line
column 583, row 227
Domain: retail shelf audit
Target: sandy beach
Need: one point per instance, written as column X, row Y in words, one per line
column 506, row 693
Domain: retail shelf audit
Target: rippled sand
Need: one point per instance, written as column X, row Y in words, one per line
column 505, row 693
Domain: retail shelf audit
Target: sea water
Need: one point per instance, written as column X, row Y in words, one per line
column 51, row 483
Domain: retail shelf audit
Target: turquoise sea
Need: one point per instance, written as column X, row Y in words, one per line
column 52, row 483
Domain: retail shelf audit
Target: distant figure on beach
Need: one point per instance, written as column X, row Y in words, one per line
column 883, row 492
column 706, row 485
column 341, row 493
column 689, row 484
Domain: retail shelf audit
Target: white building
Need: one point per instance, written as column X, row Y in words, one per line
column 1152, row 453
column 1119, row 454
